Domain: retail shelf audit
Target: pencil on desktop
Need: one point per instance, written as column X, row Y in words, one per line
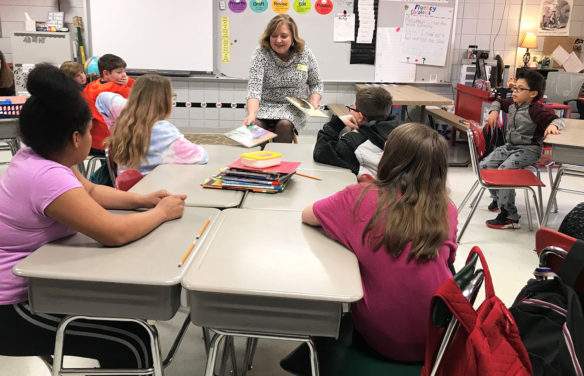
column 308, row 176
column 193, row 243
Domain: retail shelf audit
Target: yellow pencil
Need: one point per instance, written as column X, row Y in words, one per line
column 307, row 176
column 193, row 243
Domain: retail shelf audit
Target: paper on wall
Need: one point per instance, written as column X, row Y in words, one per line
column 366, row 21
column 573, row 64
column 388, row 67
column 344, row 27
column 560, row 55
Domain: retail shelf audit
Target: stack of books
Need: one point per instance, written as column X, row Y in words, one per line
column 244, row 178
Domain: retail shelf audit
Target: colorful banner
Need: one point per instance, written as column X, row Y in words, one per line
column 225, row 50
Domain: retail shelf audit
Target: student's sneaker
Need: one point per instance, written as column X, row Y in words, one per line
column 502, row 222
column 493, row 206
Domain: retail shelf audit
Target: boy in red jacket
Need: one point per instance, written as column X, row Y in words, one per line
column 113, row 78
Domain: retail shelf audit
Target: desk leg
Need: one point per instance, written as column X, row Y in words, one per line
column 552, row 197
column 313, row 357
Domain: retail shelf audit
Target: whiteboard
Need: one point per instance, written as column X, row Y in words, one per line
column 175, row 35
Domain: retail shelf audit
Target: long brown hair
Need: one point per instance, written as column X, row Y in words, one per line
column 412, row 195
column 150, row 101
column 6, row 75
column 297, row 42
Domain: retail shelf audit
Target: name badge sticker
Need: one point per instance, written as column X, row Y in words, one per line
column 302, row 67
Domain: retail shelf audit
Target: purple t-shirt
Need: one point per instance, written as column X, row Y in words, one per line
column 394, row 313
column 28, row 186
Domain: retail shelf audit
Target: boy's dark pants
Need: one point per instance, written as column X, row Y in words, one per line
column 509, row 157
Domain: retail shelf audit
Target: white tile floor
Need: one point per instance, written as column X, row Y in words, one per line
column 509, row 253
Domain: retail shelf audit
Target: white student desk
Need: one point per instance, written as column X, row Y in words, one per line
column 79, row 277
column 301, row 191
column 9, row 133
column 264, row 273
column 568, row 153
column 187, row 179
column 222, row 155
column 301, row 153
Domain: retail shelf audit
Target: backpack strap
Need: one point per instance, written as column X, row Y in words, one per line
column 489, row 289
column 573, row 265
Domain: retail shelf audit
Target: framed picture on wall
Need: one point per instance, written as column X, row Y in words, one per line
column 554, row 17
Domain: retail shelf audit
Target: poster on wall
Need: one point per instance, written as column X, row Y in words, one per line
column 554, row 17
column 426, row 32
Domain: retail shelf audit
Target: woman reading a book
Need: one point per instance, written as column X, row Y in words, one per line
column 281, row 67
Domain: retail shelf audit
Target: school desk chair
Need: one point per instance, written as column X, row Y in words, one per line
column 125, row 180
column 497, row 179
column 344, row 357
column 552, row 247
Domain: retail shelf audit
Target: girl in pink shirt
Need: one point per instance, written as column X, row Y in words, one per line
column 43, row 198
column 402, row 228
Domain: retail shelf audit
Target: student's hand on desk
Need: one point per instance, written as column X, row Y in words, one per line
column 172, row 206
column 493, row 118
column 152, row 199
column 551, row 129
column 350, row 122
column 248, row 120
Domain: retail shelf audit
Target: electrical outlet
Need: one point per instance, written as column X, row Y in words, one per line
column 222, row 5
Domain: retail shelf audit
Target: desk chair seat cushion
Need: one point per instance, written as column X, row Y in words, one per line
column 127, row 179
column 513, row 178
column 348, row 356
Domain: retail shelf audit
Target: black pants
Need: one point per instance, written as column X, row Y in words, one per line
column 283, row 128
column 113, row 344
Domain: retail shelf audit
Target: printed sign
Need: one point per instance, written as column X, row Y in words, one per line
column 258, row 6
column 225, row 50
column 237, row 6
column 302, row 6
column 280, row 6
column 324, row 6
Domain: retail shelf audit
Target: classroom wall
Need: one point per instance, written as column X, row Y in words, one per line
column 477, row 22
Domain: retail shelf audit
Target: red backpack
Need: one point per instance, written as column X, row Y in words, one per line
column 487, row 341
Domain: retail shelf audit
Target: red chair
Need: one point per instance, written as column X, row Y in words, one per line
column 552, row 247
column 125, row 180
column 496, row 179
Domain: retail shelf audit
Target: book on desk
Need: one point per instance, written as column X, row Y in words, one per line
column 237, row 176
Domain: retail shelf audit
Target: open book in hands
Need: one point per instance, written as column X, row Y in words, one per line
column 251, row 135
column 305, row 106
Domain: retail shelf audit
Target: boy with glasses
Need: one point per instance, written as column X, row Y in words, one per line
column 529, row 123
column 369, row 122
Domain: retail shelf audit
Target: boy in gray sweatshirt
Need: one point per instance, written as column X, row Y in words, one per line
column 529, row 123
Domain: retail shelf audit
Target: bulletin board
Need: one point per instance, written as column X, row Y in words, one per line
column 240, row 32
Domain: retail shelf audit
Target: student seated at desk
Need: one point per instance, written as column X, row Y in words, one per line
column 113, row 78
column 43, row 198
column 370, row 123
column 7, row 88
column 75, row 70
column 142, row 137
column 402, row 228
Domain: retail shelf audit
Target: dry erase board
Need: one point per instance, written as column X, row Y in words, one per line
column 244, row 29
column 174, row 35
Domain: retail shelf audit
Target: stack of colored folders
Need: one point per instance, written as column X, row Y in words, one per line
column 266, row 180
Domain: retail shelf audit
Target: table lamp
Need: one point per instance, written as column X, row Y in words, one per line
column 530, row 41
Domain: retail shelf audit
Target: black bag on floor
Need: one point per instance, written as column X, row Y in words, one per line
column 550, row 318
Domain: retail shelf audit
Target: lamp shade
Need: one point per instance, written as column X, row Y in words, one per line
column 530, row 41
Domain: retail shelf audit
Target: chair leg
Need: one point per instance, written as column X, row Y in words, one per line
column 472, row 211
column 539, row 194
column 313, row 357
column 538, row 213
column 250, row 347
column 528, row 210
column 468, row 195
column 211, row 358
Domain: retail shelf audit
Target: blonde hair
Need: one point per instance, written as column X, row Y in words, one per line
column 71, row 68
column 412, row 195
column 6, row 75
column 297, row 42
column 150, row 101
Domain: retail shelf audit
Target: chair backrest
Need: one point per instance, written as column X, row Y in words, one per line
column 112, row 167
column 563, row 86
column 551, row 247
column 476, row 146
